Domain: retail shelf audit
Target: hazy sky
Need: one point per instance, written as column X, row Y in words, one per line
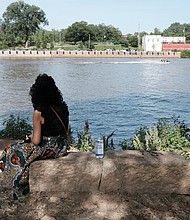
column 128, row 15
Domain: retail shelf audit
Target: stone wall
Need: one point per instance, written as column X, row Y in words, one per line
column 28, row 54
column 118, row 172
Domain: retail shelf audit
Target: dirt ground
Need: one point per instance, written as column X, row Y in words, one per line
column 96, row 206
column 124, row 207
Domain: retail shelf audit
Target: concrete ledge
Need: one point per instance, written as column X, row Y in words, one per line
column 34, row 54
column 117, row 172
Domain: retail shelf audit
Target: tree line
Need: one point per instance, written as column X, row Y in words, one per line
column 22, row 25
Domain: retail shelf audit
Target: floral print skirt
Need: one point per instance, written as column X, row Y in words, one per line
column 16, row 159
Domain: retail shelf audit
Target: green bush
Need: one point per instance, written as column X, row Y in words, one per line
column 15, row 128
column 166, row 135
column 185, row 54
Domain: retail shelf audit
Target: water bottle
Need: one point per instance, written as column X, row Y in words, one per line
column 99, row 149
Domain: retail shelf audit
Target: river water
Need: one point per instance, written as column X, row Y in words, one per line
column 112, row 94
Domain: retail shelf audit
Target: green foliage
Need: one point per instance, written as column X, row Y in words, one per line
column 15, row 128
column 82, row 32
column 177, row 29
column 51, row 45
column 185, row 54
column 150, row 143
column 165, row 135
column 157, row 31
column 21, row 20
column 126, row 145
column 85, row 142
column 133, row 41
column 78, row 31
column 124, row 43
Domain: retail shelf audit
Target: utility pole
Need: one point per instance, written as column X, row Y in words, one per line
column 139, row 36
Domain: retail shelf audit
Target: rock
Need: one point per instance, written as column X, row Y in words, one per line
column 119, row 172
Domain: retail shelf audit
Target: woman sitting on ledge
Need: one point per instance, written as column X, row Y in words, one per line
column 48, row 140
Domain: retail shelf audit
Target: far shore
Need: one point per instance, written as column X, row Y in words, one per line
column 34, row 54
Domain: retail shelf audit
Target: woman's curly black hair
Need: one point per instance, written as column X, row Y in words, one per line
column 44, row 92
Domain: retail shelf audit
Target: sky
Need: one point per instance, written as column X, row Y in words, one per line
column 129, row 16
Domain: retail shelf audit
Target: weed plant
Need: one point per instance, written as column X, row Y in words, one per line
column 85, row 142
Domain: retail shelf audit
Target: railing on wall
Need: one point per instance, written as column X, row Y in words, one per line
column 75, row 53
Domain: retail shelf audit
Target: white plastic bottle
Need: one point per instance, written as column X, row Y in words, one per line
column 99, row 149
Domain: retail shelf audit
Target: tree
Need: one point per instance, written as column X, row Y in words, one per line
column 175, row 29
column 133, row 41
column 21, row 21
column 107, row 33
column 1, row 35
column 82, row 32
column 124, row 42
column 157, row 31
column 100, row 32
column 78, row 31
column 113, row 34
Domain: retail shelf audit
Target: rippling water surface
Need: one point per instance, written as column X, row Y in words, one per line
column 112, row 94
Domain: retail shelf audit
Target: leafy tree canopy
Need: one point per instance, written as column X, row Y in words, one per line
column 177, row 29
column 81, row 31
column 21, row 20
column 78, row 31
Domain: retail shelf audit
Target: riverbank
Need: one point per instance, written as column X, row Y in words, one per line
column 33, row 54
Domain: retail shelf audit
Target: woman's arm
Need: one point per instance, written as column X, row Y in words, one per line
column 37, row 121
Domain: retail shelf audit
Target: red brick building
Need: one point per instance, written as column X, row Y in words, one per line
column 170, row 46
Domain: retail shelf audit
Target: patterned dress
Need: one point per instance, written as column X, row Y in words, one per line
column 16, row 159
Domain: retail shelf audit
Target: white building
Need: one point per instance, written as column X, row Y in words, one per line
column 154, row 42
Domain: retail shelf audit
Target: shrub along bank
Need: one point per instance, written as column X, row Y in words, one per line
column 185, row 54
column 171, row 135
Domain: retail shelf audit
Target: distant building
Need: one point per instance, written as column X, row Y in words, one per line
column 152, row 43
column 170, row 47
column 158, row 43
column 173, row 39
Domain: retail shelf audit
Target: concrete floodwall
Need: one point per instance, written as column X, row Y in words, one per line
column 29, row 54
column 117, row 173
